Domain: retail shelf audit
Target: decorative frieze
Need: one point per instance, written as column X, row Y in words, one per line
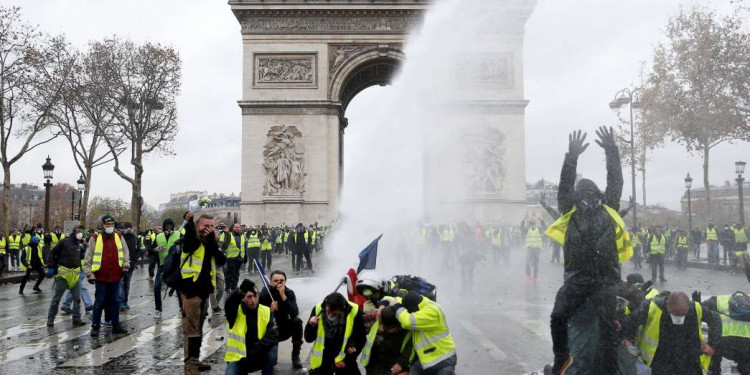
column 289, row 22
column 285, row 71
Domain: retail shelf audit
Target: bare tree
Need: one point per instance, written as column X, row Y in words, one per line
column 144, row 80
column 83, row 116
column 691, row 91
column 30, row 83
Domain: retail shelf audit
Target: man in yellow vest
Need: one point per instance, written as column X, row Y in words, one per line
column 32, row 260
column 253, row 249
column 533, row 250
column 734, row 343
column 712, row 241
column 104, row 263
column 682, row 243
column 337, row 331
column 433, row 344
column 200, row 258
column 657, row 248
column 595, row 242
column 235, row 245
column 672, row 339
column 55, row 237
column 388, row 350
column 740, row 247
column 266, row 245
column 164, row 242
column 252, row 339
column 64, row 262
column 3, row 253
column 14, row 249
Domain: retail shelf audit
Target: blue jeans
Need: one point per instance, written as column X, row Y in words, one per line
column 265, row 364
column 713, row 251
column 122, row 297
column 85, row 296
column 106, row 298
column 157, row 289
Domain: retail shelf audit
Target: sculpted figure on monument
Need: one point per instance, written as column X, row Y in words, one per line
column 484, row 151
column 283, row 161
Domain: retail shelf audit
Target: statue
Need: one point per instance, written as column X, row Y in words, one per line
column 484, row 159
column 284, row 161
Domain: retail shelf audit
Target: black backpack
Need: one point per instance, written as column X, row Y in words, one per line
column 417, row 284
column 739, row 307
column 171, row 271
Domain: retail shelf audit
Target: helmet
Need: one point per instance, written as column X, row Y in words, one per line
column 370, row 285
column 34, row 239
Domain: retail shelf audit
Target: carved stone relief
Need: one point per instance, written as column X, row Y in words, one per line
column 284, row 162
column 493, row 70
column 332, row 22
column 338, row 53
column 484, row 156
column 285, row 70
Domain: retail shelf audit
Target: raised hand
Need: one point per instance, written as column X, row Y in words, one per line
column 606, row 138
column 575, row 143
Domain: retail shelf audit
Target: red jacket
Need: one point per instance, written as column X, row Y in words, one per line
column 110, row 270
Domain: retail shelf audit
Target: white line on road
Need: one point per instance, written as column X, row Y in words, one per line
column 491, row 348
column 114, row 349
column 209, row 346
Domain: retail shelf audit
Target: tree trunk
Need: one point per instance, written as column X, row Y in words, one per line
column 643, row 194
column 135, row 199
column 706, row 185
column 6, row 197
column 85, row 198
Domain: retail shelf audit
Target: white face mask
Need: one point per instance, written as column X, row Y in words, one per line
column 677, row 319
column 79, row 236
column 109, row 230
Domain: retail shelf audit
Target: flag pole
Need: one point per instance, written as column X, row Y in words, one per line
column 343, row 280
column 263, row 279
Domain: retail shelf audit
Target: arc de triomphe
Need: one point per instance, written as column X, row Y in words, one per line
column 303, row 62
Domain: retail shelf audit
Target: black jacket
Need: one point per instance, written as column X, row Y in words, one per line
column 288, row 309
column 203, row 286
column 332, row 345
column 66, row 253
column 299, row 245
column 590, row 248
column 254, row 346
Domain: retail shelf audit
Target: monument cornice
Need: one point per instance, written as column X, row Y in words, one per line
column 370, row 21
column 490, row 106
column 289, row 107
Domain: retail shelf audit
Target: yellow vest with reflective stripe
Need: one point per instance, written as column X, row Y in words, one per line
column 740, row 235
column 55, row 239
column 192, row 267
column 431, row 345
column 2, row 245
column 557, row 231
column 711, row 235
column 266, row 245
column 316, row 355
column 96, row 261
column 682, row 242
column 14, row 242
column 364, row 359
column 28, row 256
column 534, row 238
column 234, row 251
column 253, row 241
column 236, row 348
column 279, row 238
column 650, row 341
column 729, row 326
column 70, row 275
column 658, row 244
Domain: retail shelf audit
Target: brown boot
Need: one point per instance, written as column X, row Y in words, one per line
column 191, row 367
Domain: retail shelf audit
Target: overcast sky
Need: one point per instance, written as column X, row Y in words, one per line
column 578, row 53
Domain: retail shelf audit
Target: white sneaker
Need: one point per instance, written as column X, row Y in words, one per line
column 157, row 315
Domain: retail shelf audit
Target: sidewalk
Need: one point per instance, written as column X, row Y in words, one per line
column 14, row 277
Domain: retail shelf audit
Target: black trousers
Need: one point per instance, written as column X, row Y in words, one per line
column 657, row 261
column 736, row 349
column 569, row 299
column 265, row 259
column 252, row 254
column 298, row 260
column 232, row 273
column 290, row 328
column 153, row 260
column 33, row 268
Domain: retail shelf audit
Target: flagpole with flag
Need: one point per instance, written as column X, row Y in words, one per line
column 367, row 259
column 264, row 279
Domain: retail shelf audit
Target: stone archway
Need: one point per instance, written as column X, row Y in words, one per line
column 303, row 62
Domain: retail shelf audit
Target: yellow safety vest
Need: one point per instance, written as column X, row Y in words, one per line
column 2, row 245
column 96, row 261
column 234, row 251
column 558, row 229
column 658, row 244
column 55, row 239
column 266, row 245
column 534, row 238
column 729, row 326
column 429, row 333
column 650, row 340
column 497, row 239
column 253, row 241
column 364, row 359
column 286, row 236
column 279, row 238
column 236, row 348
column 166, row 243
column 711, row 235
column 192, row 267
column 70, row 275
column 28, row 256
column 740, row 236
column 316, row 355
column 14, row 242
column 682, row 242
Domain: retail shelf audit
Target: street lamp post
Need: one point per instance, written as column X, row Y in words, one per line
column 72, row 204
column 688, row 185
column 631, row 99
column 81, row 185
column 740, row 169
column 47, row 167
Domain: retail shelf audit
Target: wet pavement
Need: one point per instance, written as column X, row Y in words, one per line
column 501, row 327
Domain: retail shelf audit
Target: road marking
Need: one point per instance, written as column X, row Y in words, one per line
column 46, row 342
column 24, row 305
column 114, row 349
column 209, row 346
column 30, row 326
column 491, row 348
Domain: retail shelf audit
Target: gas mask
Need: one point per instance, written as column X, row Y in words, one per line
column 677, row 319
column 588, row 194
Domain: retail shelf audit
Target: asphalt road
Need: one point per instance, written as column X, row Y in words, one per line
column 500, row 327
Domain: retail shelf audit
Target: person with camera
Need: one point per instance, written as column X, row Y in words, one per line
column 252, row 342
column 283, row 304
column 104, row 264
